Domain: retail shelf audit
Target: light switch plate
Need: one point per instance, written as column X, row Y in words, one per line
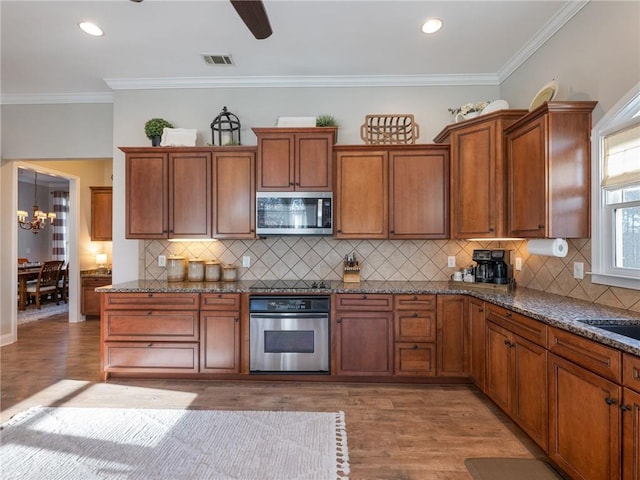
column 451, row 261
column 162, row 260
column 246, row 261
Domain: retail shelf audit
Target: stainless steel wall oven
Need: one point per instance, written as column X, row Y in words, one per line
column 289, row 334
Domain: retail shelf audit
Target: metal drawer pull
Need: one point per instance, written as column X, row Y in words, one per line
column 610, row 401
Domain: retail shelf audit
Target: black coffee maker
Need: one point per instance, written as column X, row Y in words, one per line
column 493, row 266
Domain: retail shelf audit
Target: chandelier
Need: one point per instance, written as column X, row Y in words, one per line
column 39, row 220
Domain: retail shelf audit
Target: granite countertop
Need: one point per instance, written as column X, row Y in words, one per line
column 555, row 310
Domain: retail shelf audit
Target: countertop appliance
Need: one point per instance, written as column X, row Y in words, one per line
column 493, row 266
column 289, row 334
column 294, row 213
column 291, row 285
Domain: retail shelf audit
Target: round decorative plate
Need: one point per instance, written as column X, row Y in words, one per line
column 495, row 106
column 546, row 94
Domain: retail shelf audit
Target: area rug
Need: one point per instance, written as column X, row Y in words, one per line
column 46, row 443
column 31, row 314
column 510, row 469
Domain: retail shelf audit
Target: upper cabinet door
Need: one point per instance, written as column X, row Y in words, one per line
column 549, row 161
column 101, row 213
column 190, row 195
column 147, row 196
column 295, row 159
column 234, row 203
column 477, row 194
column 362, row 195
column 419, row 193
column 276, row 162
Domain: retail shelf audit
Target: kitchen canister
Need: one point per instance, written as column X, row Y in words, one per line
column 229, row 273
column 176, row 268
column 196, row 270
column 212, row 271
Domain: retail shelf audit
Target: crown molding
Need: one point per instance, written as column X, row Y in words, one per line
column 322, row 81
column 54, row 98
column 565, row 14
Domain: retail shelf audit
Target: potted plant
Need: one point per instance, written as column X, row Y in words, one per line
column 154, row 128
column 326, row 121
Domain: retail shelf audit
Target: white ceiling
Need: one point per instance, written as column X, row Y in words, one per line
column 160, row 43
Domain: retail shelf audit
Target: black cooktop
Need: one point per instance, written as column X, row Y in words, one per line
column 291, row 285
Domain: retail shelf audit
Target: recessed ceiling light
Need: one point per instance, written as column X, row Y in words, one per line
column 91, row 29
column 432, row 25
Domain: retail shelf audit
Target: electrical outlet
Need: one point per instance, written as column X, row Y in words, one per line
column 578, row 270
column 162, row 260
column 518, row 263
column 451, row 261
column 246, row 261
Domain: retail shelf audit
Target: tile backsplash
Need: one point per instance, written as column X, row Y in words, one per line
column 400, row 260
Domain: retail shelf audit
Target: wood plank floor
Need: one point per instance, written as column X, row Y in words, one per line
column 394, row 431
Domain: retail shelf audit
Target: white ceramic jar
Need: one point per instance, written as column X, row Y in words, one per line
column 176, row 268
column 229, row 273
column 212, row 271
column 196, row 270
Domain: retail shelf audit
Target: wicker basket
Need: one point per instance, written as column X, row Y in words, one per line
column 389, row 129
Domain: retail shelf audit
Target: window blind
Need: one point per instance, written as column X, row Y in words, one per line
column 622, row 157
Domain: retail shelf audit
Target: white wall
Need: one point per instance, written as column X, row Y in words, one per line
column 595, row 56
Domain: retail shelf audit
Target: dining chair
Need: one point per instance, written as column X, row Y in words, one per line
column 47, row 283
column 63, row 284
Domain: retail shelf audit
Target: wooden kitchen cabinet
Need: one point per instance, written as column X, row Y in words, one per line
column 220, row 333
column 295, row 159
column 478, row 174
column 150, row 333
column 419, row 193
column 630, row 409
column 89, row 298
column 477, row 344
column 549, row 165
column 168, row 193
column 516, row 370
column 396, row 192
column 584, row 401
column 584, row 424
column 361, row 207
column 101, row 213
column 234, row 204
column 452, row 336
column 363, row 335
column 414, row 323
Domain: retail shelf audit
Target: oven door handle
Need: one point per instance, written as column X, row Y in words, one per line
column 289, row 315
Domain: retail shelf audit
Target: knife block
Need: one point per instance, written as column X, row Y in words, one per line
column 351, row 273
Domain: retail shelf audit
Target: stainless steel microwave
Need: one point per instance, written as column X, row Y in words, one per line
column 294, row 213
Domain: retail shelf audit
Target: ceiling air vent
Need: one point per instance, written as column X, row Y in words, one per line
column 218, row 59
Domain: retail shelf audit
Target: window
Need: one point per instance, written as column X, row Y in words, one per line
column 616, row 195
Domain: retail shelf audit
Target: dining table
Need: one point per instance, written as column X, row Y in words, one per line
column 25, row 275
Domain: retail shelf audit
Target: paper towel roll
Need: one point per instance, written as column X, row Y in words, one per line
column 554, row 247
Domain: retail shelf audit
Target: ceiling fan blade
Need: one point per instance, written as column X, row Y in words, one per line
column 254, row 16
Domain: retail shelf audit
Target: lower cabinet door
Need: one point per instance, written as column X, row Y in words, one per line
column 151, row 357
column 415, row 359
column 584, row 428
column 631, row 435
column 499, row 366
column 219, row 342
column 364, row 343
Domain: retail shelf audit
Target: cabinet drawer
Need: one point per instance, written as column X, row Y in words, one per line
column 526, row 327
column 364, row 302
column 95, row 281
column 220, row 301
column 145, row 301
column 631, row 371
column 591, row 355
column 414, row 302
column 151, row 325
column 414, row 326
column 415, row 359
column 148, row 357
